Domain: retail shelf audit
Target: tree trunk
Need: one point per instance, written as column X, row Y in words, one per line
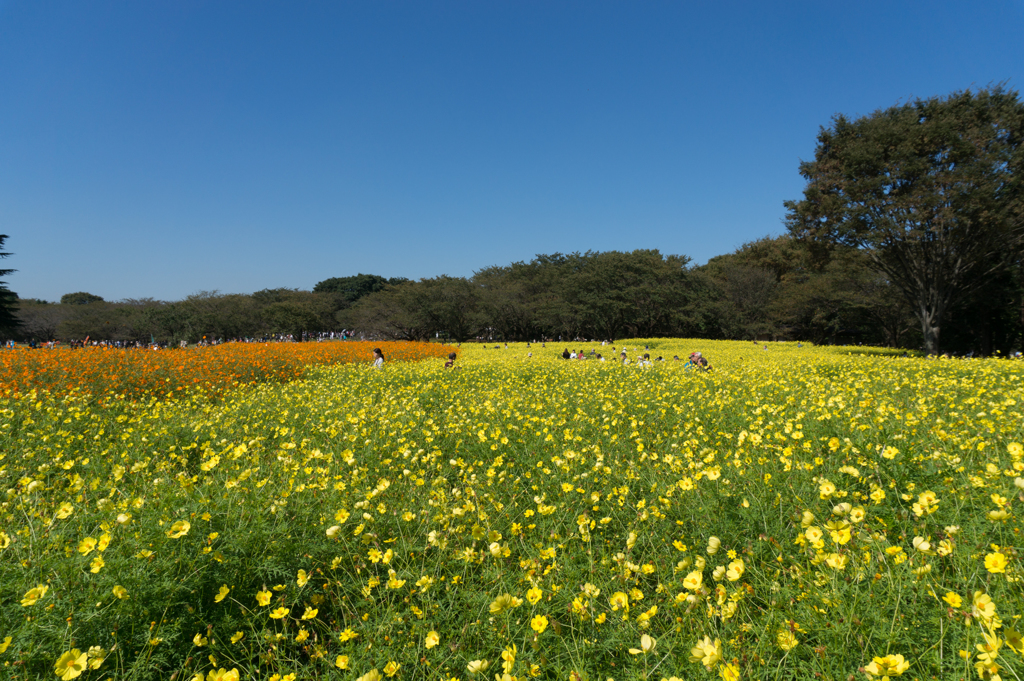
column 929, row 330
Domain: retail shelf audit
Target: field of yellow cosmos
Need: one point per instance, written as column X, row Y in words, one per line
column 806, row 512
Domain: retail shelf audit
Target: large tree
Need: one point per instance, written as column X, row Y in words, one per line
column 931, row 190
column 8, row 299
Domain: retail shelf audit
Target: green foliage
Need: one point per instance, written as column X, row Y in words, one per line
column 932, row 190
column 9, row 322
column 80, row 298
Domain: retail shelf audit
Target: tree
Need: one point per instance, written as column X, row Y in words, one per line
column 931, row 190
column 8, row 299
column 80, row 298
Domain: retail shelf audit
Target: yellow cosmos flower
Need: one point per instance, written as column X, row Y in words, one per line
column 953, row 599
column 647, row 644
column 33, row 595
column 729, row 672
column 86, row 546
column 103, row 542
column 65, row 510
column 995, row 562
column 310, row 613
column 223, row 675
column 533, row 595
column 200, row 640
column 477, row 666
column 372, row 675
column 179, row 529
column 71, row 664
column 237, row 636
column 433, row 638
column 787, row 640
column 262, row 597
column 694, row 581
column 504, row 602
column 302, row 578
column 301, row 636
column 886, row 667
column 619, row 600
column 278, row 613
column 120, row 592
column 5, row 644
column 735, row 571
column 223, row 593
column 97, row 564
column 713, row 544
column 706, row 652
column 347, row 635
column 391, row 668
column 341, row 662
column 539, row 623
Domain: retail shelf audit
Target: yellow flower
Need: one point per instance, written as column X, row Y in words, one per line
column 97, row 564
column 333, row 530
column 262, row 597
column 619, row 600
column 301, row 636
column 433, row 638
column 735, row 571
column 729, row 672
column 953, row 599
column 341, row 662
column 310, row 613
column 200, row 640
column 787, row 639
column 995, row 562
column 372, row 675
column 96, row 657
column 71, row 664
column 713, row 544
column 33, row 595
column 224, row 591
column 278, row 613
column 391, row 668
column 223, row 675
column 694, row 580
column 86, row 546
column 302, row 578
column 884, row 667
column 347, row 635
column 237, row 636
column 120, row 591
column 539, row 624
column 179, row 529
column 706, row 652
column 504, row 602
column 477, row 666
column 533, row 595
column 647, row 644
column 65, row 510
column 104, row 542
column 5, row 644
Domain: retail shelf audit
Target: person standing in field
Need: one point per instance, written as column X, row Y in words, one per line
column 450, row 364
column 378, row 358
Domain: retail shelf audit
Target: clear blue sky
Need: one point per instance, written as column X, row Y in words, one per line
column 156, row 149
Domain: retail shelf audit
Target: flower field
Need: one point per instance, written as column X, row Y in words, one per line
column 135, row 373
column 796, row 513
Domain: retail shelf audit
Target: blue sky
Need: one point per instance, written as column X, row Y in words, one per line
column 157, row 149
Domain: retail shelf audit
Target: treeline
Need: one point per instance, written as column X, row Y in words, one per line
column 774, row 288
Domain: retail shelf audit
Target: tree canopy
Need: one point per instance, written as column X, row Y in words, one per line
column 931, row 190
column 8, row 300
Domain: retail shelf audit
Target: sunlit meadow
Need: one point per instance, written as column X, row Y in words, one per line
column 795, row 513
